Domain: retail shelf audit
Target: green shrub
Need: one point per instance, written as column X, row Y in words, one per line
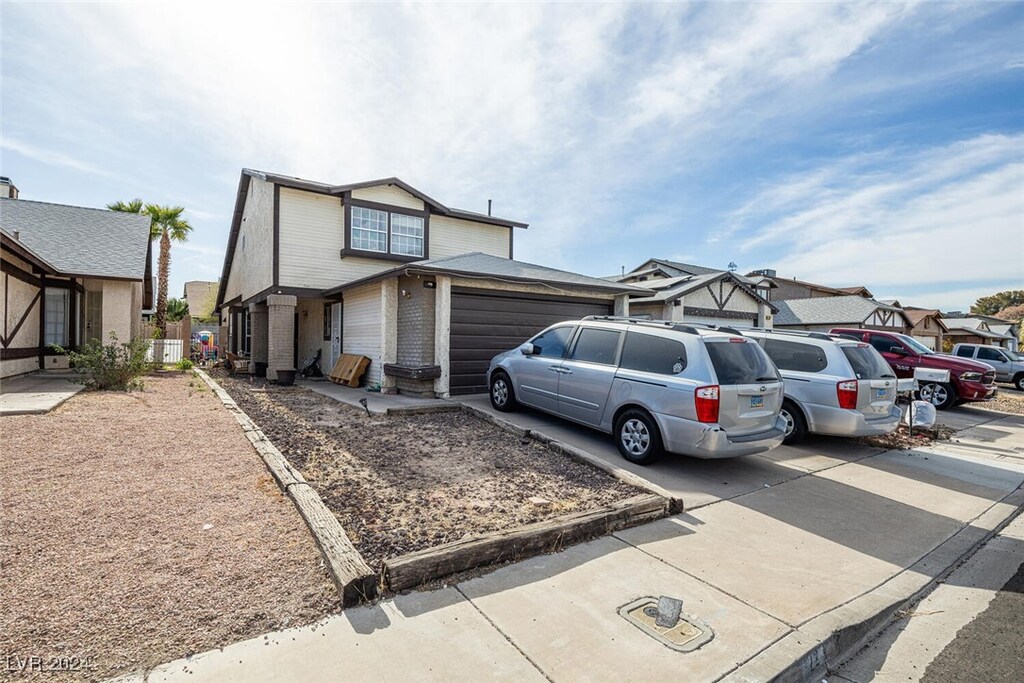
column 183, row 365
column 114, row 366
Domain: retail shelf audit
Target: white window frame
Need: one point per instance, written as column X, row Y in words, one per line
column 421, row 237
column 372, row 230
column 56, row 325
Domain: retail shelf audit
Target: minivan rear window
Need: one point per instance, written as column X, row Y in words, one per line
column 867, row 363
column 649, row 353
column 790, row 355
column 741, row 363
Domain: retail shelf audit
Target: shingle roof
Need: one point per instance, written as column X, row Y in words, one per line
column 829, row 310
column 80, row 241
column 481, row 265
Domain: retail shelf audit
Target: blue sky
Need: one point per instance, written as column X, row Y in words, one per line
column 877, row 144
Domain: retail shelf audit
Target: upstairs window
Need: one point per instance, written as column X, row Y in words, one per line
column 406, row 235
column 369, row 229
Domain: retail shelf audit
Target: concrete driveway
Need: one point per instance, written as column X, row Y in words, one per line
column 787, row 560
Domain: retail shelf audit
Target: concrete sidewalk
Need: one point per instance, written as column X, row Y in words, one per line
column 785, row 576
column 35, row 394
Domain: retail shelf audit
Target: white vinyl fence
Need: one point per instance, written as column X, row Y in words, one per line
column 168, row 351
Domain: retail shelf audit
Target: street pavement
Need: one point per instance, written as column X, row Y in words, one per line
column 970, row 628
column 773, row 554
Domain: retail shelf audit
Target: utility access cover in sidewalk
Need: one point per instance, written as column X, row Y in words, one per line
column 686, row 635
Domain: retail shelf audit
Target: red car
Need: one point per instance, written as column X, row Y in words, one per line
column 968, row 380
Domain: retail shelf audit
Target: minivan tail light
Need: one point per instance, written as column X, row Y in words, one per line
column 846, row 392
column 706, row 401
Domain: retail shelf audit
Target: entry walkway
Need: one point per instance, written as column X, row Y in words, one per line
column 774, row 572
column 35, row 394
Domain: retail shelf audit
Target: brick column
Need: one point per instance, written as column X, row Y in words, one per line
column 257, row 335
column 442, row 334
column 388, row 332
column 280, row 333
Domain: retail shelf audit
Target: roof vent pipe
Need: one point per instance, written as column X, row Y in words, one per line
column 17, row 235
column 488, row 207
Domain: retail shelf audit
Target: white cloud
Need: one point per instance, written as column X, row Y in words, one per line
column 952, row 214
column 53, row 158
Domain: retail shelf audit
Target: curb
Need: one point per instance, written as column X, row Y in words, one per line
column 822, row 644
column 354, row 579
column 675, row 504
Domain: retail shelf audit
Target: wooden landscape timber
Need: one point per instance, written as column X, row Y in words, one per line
column 552, row 535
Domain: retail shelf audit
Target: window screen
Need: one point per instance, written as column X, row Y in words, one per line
column 596, row 346
column 369, row 229
column 789, row 355
column 650, row 353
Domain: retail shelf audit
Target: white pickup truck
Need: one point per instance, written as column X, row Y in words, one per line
column 1009, row 368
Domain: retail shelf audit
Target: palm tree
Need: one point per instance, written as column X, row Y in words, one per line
column 176, row 309
column 165, row 224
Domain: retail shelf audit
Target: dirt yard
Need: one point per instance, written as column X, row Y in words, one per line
column 401, row 484
column 1008, row 400
column 138, row 528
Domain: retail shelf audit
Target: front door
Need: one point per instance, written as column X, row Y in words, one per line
column 93, row 317
column 335, row 338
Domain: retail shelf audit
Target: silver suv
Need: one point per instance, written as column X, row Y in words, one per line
column 654, row 385
column 833, row 385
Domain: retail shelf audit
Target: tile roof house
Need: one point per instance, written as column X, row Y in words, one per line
column 428, row 292
column 70, row 274
column 682, row 291
column 823, row 313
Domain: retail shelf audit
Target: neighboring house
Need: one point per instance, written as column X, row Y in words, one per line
column 689, row 293
column 972, row 328
column 429, row 293
column 69, row 274
column 791, row 288
column 928, row 326
column 203, row 319
column 823, row 313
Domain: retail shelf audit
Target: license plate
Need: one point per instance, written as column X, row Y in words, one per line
column 757, row 401
column 880, row 393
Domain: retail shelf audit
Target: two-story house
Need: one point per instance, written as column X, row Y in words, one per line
column 689, row 293
column 429, row 293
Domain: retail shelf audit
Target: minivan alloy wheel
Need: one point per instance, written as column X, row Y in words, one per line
column 499, row 390
column 788, row 417
column 635, row 437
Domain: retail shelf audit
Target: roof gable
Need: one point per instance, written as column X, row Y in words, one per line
column 831, row 310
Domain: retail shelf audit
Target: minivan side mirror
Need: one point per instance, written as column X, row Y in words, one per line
column 528, row 349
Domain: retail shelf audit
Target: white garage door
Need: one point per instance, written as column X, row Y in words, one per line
column 731, row 322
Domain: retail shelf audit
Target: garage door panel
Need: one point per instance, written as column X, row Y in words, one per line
column 483, row 324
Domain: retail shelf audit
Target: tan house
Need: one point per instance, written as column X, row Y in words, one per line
column 981, row 329
column 429, row 293
column 820, row 314
column 929, row 327
column 69, row 274
column 689, row 293
column 791, row 288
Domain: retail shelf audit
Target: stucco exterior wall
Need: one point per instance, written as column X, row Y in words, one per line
column 15, row 298
column 311, row 332
column 454, row 236
column 118, row 312
column 740, row 301
column 252, row 267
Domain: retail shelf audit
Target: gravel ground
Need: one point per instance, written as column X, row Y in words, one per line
column 137, row 528
column 401, row 484
column 1008, row 400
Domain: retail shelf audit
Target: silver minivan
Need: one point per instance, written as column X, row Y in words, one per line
column 833, row 385
column 654, row 385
